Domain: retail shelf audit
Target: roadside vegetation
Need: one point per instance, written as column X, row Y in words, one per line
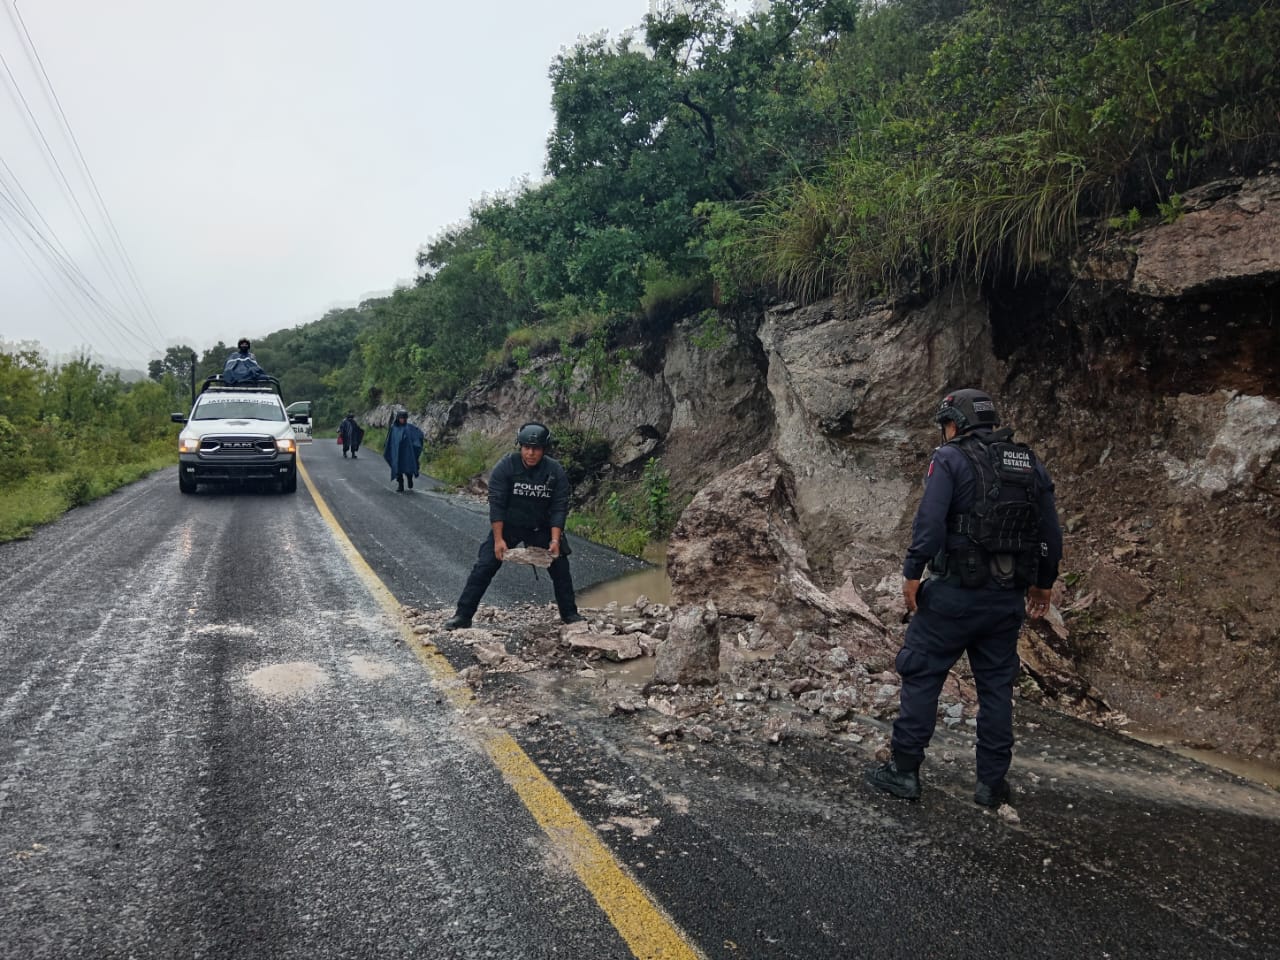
column 630, row 517
column 713, row 162
column 72, row 433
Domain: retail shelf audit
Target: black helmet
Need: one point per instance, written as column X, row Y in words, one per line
column 402, row 413
column 534, row 435
column 968, row 409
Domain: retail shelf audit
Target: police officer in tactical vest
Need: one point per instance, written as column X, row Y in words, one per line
column 528, row 503
column 987, row 529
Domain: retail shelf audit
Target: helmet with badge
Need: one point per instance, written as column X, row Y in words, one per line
column 968, row 409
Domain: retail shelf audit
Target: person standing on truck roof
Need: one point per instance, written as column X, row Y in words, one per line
column 242, row 366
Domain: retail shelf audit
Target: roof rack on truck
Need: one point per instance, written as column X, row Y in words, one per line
column 218, row 385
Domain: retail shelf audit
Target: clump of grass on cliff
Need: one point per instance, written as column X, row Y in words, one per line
column 456, row 464
column 1014, row 126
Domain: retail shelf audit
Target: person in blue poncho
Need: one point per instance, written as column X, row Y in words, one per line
column 242, row 366
column 402, row 450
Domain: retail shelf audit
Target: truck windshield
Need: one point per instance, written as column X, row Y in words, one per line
column 238, row 408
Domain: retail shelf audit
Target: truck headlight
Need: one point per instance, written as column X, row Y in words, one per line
column 287, row 445
column 188, row 444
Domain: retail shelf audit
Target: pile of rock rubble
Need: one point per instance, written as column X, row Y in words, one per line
column 690, row 675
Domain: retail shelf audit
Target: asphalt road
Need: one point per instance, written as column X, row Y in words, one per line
column 423, row 543
column 215, row 742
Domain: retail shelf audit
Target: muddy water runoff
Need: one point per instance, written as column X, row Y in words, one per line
column 651, row 582
column 1248, row 769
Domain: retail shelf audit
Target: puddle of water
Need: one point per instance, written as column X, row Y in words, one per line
column 287, row 679
column 369, row 669
column 638, row 671
column 1249, row 769
column 652, row 582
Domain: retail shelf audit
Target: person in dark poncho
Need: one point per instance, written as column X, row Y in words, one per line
column 351, row 434
column 402, row 450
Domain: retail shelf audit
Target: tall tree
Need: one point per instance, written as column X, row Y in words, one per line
column 177, row 362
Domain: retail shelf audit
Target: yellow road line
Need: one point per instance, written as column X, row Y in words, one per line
column 645, row 927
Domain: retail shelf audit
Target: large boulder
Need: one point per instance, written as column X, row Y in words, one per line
column 738, row 544
column 1229, row 441
column 735, row 539
column 854, row 388
column 691, row 653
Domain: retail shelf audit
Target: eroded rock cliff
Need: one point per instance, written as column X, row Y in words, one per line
column 1146, row 373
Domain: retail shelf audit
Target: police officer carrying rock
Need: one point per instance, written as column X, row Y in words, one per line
column 987, row 528
column 528, row 503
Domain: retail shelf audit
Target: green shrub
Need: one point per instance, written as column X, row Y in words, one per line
column 1129, row 221
column 629, row 516
column 710, row 332
column 655, row 488
column 77, row 487
column 668, row 294
column 599, row 527
column 457, row 464
column 582, row 452
column 375, row 438
column 16, row 461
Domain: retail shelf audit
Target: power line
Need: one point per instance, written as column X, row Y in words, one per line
column 64, row 265
column 50, row 289
column 75, row 285
column 69, row 193
column 93, row 183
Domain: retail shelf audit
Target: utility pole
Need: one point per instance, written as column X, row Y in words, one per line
column 193, row 379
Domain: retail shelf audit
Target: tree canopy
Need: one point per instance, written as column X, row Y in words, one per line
column 823, row 145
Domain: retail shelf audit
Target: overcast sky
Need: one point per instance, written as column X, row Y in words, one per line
column 261, row 162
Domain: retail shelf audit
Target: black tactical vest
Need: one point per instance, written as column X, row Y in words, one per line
column 1003, row 525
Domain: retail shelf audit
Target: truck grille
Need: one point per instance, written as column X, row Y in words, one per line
column 238, row 446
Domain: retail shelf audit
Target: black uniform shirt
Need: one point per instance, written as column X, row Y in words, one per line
column 949, row 490
column 531, row 498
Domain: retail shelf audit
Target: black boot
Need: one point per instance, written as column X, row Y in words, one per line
column 991, row 794
column 891, row 779
column 574, row 617
column 400, row 484
column 410, row 481
column 457, row 622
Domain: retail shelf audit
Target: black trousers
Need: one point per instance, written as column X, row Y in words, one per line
column 949, row 622
column 487, row 566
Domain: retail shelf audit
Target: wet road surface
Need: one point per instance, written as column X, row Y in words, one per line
column 215, row 743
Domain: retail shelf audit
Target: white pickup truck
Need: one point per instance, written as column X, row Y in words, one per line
column 300, row 416
column 239, row 432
